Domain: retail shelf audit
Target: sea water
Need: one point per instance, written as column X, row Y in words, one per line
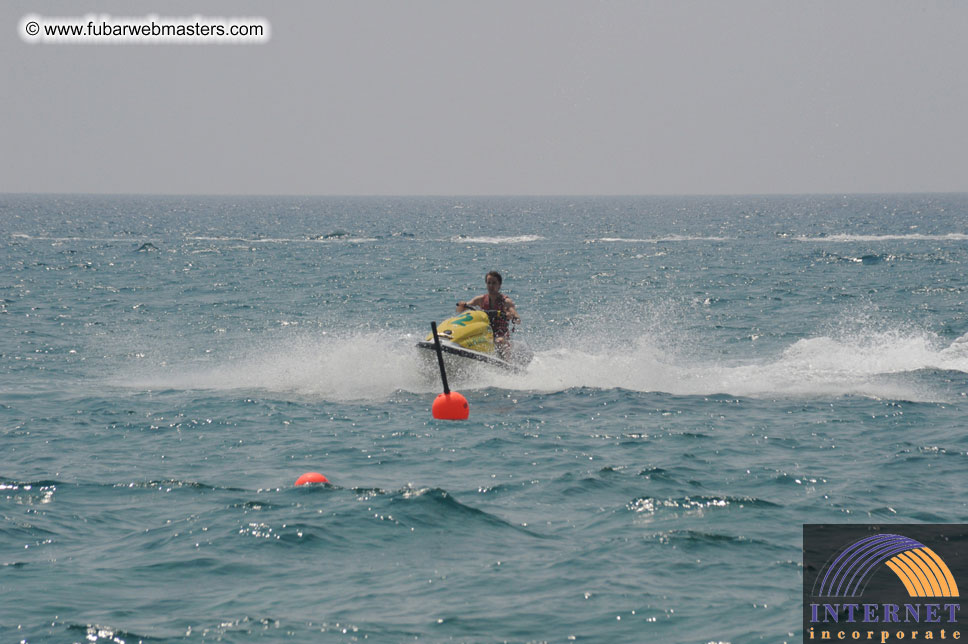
column 709, row 375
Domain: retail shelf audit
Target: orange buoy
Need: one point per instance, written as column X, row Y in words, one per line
column 450, row 406
column 311, row 477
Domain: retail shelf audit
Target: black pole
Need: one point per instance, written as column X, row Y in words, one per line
column 440, row 357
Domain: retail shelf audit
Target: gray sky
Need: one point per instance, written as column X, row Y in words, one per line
column 497, row 97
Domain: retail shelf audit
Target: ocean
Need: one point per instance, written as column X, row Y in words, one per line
column 710, row 374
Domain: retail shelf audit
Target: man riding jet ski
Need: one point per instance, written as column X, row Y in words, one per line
column 480, row 332
column 502, row 308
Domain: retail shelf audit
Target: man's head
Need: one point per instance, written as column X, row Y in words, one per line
column 493, row 281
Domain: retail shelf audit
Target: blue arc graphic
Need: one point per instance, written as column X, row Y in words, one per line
column 848, row 574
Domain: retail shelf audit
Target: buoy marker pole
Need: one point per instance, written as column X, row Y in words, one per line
column 440, row 357
column 448, row 405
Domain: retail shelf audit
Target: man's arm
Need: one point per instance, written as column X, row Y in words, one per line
column 511, row 311
column 477, row 301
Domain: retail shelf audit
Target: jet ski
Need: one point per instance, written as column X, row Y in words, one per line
column 467, row 340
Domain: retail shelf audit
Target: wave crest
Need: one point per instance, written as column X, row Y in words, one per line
column 846, row 237
column 513, row 239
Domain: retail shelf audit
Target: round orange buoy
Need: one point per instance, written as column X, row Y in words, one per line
column 311, row 477
column 450, row 406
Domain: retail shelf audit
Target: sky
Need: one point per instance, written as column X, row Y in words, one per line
column 522, row 97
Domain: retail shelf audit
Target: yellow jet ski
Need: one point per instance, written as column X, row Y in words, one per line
column 468, row 339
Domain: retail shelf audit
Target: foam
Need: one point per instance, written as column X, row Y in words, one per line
column 658, row 240
column 108, row 240
column 876, row 366
column 376, row 365
column 847, row 238
column 286, row 240
column 515, row 239
column 362, row 366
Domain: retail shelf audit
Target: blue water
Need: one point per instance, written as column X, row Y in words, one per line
column 709, row 374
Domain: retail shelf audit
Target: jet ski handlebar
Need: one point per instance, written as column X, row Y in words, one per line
column 474, row 307
column 491, row 313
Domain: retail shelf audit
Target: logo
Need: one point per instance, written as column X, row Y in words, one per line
column 887, row 583
column 922, row 572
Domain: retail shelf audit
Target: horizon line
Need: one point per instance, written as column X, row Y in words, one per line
column 480, row 195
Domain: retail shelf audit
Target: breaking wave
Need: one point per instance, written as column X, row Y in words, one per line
column 846, row 238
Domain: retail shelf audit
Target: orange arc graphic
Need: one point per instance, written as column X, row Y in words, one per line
column 902, row 575
column 952, row 586
column 937, row 574
column 916, row 582
column 923, row 573
column 926, row 577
